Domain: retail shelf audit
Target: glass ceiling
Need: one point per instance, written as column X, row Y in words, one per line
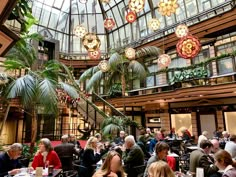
column 60, row 17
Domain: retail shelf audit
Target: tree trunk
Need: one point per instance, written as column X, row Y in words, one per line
column 33, row 129
column 123, row 84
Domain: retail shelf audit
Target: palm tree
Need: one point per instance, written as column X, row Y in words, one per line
column 121, row 70
column 37, row 89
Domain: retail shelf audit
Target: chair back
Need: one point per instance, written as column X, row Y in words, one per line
column 66, row 163
column 70, row 173
column 82, row 170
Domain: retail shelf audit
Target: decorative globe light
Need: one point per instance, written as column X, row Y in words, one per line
column 188, row 47
column 91, row 42
column 130, row 53
column 95, row 54
column 154, row 24
column 83, row 1
column 109, row 23
column 80, row 31
column 181, row 30
column 167, row 7
column 3, row 79
column 131, row 17
column 104, row 65
column 164, row 60
column 136, row 5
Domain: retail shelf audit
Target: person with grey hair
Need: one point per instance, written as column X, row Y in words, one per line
column 65, row 151
column 9, row 163
column 133, row 155
column 46, row 155
column 203, row 136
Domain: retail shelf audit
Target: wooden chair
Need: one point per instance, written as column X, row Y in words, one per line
column 82, row 170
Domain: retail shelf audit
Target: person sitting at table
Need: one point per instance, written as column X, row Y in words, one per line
column 112, row 166
column 203, row 136
column 172, row 133
column 46, row 156
column 73, row 140
column 9, row 163
column 90, row 156
column 185, row 134
column 224, row 162
column 161, row 152
column 201, row 158
column 231, row 146
column 160, row 169
column 133, row 155
column 121, row 139
column 153, row 142
column 65, row 152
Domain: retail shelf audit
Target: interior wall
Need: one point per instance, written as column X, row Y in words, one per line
column 230, row 118
column 180, row 121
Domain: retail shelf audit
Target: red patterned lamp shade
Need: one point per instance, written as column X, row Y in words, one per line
column 181, row 31
column 154, row 24
column 91, row 42
column 80, row 31
column 104, row 65
column 109, row 23
column 131, row 17
column 188, row 47
column 130, row 53
column 94, row 54
column 167, row 7
column 164, row 60
column 136, row 5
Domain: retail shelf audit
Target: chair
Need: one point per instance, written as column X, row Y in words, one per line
column 66, row 163
column 82, row 170
column 139, row 170
column 70, row 173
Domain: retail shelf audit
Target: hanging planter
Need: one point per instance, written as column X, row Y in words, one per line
column 91, row 42
column 131, row 17
column 188, row 47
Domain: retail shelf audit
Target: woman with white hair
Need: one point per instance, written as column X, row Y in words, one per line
column 46, row 155
column 203, row 136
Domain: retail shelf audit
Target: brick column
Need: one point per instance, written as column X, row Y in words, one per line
column 220, row 119
column 213, row 63
column 194, row 124
column 165, row 118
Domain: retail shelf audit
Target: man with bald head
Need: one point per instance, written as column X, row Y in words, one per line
column 216, row 146
column 9, row 163
column 121, row 139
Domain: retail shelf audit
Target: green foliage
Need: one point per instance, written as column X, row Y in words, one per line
column 115, row 90
column 26, row 152
column 23, row 14
column 196, row 73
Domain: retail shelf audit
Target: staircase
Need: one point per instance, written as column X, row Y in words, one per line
column 4, row 110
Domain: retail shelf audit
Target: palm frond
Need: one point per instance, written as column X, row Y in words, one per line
column 94, row 79
column 23, row 87
column 70, row 90
column 137, row 68
column 114, row 60
column 86, row 75
column 47, row 96
column 14, row 64
column 148, row 51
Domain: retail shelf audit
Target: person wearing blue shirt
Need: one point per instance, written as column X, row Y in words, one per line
column 153, row 142
column 9, row 163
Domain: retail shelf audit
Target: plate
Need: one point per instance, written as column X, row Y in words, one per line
column 22, row 174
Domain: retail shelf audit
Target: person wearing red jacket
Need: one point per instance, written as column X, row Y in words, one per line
column 46, row 156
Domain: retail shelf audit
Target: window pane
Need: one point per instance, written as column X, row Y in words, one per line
column 230, row 122
column 225, row 66
column 150, row 81
column 180, row 121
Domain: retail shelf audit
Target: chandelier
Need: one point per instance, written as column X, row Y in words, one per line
column 167, row 7
column 153, row 24
column 109, row 23
column 188, row 47
column 104, row 65
column 164, row 60
column 91, row 42
column 94, row 54
column 80, row 31
column 83, row 1
column 181, row 30
column 130, row 53
column 131, row 17
column 136, row 5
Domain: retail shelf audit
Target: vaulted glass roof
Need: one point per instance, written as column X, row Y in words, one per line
column 60, row 17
